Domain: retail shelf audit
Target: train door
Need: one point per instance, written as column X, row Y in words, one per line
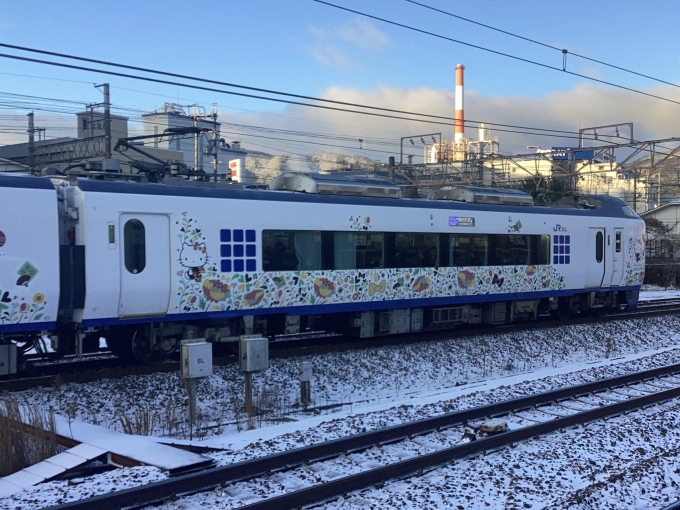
column 594, row 257
column 145, row 264
column 617, row 257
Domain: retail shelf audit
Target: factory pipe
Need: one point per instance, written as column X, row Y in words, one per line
column 459, row 118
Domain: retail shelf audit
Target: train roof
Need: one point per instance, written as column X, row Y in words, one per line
column 596, row 205
column 24, row 181
column 607, row 206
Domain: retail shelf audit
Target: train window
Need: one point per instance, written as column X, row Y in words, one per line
column 308, row 249
column 468, row 250
column 284, row 250
column 618, row 242
column 510, row 250
column 415, row 250
column 599, row 247
column 135, row 246
column 629, row 212
column 344, row 250
column 370, row 252
column 542, row 250
column 278, row 251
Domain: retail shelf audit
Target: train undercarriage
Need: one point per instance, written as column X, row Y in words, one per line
column 154, row 342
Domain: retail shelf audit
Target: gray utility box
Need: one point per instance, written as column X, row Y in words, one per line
column 254, row 354
column 196, row 359
column 8, row 359
column 305, row 371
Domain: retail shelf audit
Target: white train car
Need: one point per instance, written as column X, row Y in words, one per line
column 146, row 265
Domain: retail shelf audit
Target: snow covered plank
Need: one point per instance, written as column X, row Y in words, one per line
column 8, row 488
column 138, row 448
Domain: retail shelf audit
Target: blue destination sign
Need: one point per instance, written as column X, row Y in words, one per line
column 458, row 221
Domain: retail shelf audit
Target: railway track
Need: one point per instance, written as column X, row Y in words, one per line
column 429, row 443
column 93, row 369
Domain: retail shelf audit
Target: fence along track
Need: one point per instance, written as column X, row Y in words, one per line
column 206, row 480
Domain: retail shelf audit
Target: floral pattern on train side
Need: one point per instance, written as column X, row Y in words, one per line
column 635, row 261
column 222, row 292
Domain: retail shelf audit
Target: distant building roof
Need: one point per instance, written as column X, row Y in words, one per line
column 20, row 150
column 100, row 115
column 674, row 203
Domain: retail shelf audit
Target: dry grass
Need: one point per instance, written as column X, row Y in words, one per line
column 22, row 446
column 141, row 422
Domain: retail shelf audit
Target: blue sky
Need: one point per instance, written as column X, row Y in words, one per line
column 304, row 47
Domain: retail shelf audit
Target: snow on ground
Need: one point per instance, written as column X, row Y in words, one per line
column 654, row 292
column 356, row 379
column 604, row 465
column 378, row 387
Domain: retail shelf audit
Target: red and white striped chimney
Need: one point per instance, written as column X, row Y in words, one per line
column 459, row 118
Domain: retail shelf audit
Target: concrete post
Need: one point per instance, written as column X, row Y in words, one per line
column 31, row 143
column 305, row 374
column 107, row 122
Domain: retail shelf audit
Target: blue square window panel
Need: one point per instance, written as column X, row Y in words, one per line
column 237, row 256
column 561, row 249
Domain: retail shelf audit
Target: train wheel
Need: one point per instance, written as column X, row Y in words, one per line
column 141, row 346
column 118, row 341
column 563, row 311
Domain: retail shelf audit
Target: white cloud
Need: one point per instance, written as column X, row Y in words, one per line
column 333, row 45
column 586, row 105
column 364, row 34
column 331, row 55
column 592, row 71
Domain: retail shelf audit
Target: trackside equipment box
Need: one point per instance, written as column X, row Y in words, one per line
column 8, row 359
column 196, row 359
column 254, row 354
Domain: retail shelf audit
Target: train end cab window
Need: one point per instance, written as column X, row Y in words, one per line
column 618, row 242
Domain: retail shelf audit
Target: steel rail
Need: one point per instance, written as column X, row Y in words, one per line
column 208, row 479
column 330, row 490
column 285, row 351
column 673, row 506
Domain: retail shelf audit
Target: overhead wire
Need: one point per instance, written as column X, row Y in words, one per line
column 230, row 92
column 496, row 52
column 290, row 132
column 549, row 132
column 561, row 50
column 234, row 85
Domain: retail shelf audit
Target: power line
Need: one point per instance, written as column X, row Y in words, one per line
column 496, row 52
column 229, row 92
column 561, row 50
column 246, row 87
